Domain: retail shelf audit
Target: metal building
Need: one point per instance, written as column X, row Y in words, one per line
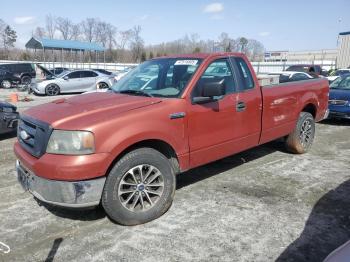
column 325, row 55
column 343, row 58
column 70, row 51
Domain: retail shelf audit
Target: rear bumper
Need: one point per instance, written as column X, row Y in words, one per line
column 72, row 194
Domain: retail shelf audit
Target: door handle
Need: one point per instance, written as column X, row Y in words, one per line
column 240, row 106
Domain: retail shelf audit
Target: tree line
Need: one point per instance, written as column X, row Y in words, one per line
column 123, row 46
column 8, row 38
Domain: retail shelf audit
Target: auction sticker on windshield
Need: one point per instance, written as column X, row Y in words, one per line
column 186, row 62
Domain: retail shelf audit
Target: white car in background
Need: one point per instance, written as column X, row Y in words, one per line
column 121, row 73
column 76, row 81
column 291, row 76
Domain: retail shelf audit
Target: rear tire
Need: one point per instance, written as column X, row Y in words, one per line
column 301, row 139
column 103, row 85
column 139, row 188
column 26, row 80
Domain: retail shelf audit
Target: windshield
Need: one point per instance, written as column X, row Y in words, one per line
column 341, row 83
column 163, row 77
column 62, row 74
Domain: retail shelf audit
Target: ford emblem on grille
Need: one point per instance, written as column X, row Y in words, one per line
column 24, row 135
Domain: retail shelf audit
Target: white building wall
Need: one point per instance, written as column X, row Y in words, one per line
column 343, row 60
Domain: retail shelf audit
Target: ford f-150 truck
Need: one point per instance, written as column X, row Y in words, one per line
column 123, row 148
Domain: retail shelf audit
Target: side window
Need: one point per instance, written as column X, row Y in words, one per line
column 298, row 77
column 88, row 74
column 22, row 68
column 2, row 72
column 73, row 75
column 218, row 70
column 246, row 77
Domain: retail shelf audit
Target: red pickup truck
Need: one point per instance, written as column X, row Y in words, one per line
column 122, row 148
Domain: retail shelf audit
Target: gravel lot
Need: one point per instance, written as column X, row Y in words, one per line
column 261, row 205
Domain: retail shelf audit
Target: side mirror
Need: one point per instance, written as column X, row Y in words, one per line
column 209, row 90
column 65, row 78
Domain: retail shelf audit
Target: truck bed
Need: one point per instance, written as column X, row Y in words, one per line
column 283, row 102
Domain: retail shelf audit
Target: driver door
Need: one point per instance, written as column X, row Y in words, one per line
column 211, row 125
column 72, row 83
column 228, row 124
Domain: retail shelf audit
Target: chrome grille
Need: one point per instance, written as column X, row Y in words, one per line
column 33, row 135
column 337, row 102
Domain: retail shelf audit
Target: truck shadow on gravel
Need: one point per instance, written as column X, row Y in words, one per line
column 217, row 167
column 336, row 122
column 86, row 214
column 327, row 228
column 8, row 136
column 183, row 179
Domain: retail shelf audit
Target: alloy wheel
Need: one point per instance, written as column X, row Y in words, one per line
column 52, row 90
column 141, row 188
column 306, row 133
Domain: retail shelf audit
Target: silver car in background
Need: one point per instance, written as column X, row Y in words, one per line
column 76, row 81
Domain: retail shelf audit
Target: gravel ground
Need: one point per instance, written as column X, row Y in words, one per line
column 261, row 205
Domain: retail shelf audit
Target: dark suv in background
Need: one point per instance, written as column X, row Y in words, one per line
column 7, row 79
column 314, row 70
column 24, row 71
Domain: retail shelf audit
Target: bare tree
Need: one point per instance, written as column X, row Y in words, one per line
column 89, row 29
column 75, row 32
column 243, row 43
column 64, row 26
column 50, row 26
column 123, row 40
column 255, row 50
column 137, row 44
column 39, row 32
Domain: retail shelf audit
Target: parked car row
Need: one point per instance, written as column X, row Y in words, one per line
column 76, row 81
column 339, row 97
column 335, row 74
column 291, row 76
column 15, row 74
column 314, row 70
column 24, row 71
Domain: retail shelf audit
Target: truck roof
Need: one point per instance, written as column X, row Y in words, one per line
column 202, row 55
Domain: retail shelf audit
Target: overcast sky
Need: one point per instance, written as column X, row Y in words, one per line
column 279, row 25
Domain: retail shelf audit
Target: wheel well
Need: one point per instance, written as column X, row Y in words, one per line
column 310, row 108
column 103, row 82
column 156, row 144
column 25, row 75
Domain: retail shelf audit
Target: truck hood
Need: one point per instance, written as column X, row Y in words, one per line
column 339, row 94
column 85, row 106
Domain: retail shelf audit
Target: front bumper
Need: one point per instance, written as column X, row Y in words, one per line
column 37, row 88
column 336, row 114
column 73, row 194
column 9, row 122
column 326, row 114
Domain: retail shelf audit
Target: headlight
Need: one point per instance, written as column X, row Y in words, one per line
column 71, row 143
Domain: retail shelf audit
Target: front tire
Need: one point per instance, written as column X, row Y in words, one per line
column 6, row 84
column 139, row 188
column 52, row 90
column 301, row 139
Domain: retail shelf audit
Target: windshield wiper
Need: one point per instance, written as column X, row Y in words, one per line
column 135, row 92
